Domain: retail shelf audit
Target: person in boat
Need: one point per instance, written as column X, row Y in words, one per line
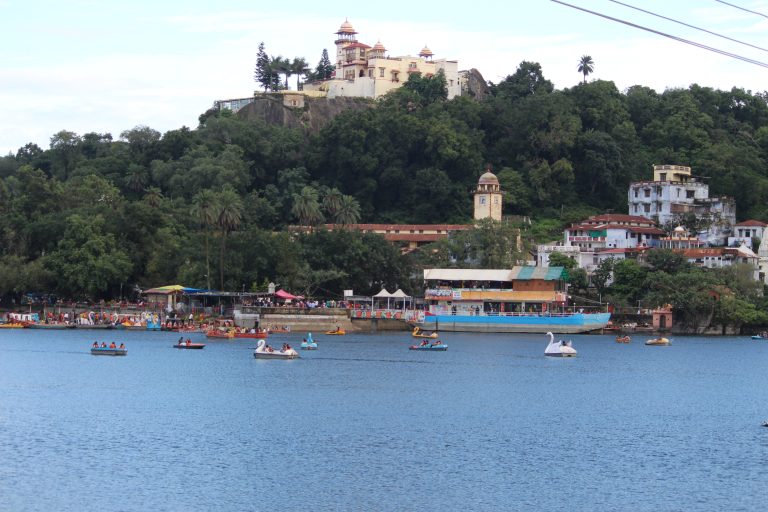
column 95, row 344
column 269, row 349
column 189, row 341
column 287, row 347
column 181, row 340
column 424, row 343
column 122, row 346
column 103, row 345
column 112, row 345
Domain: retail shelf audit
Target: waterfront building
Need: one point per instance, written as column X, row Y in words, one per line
column 673, row 194
column 368, row 71
column 519, row 299
column 719, row 257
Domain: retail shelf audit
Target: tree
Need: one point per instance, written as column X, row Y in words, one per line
column 332, row 201
column 527, row 80
column 228, row 217
column 263, row 74
column 586, row 66
column 324, row 69
column 87, row 260
column 279, row 65
column 205, row 210
column 299, row 68
column 306, row 207
column 601, row 275
column 348, row 211
column 558, row 259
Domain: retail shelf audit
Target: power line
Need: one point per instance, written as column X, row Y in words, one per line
column 687, row 25
column 670, row 36
column 742, row 8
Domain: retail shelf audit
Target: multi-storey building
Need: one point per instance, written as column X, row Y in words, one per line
column 673, row 194
column 488, row 197
column 368, row 72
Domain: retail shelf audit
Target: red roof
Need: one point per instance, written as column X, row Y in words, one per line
column 752, row 222
column 356, row 45
column 403, row 227
column 612, row 251
column 617, row 217
column 702, row 253
column 648, row 230
column 414, row 237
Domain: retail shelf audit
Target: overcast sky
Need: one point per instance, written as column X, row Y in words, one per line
column 105, row 66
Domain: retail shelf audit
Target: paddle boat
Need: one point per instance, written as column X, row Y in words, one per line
column 279, row 329
column 418, row 333
column 559, row 348
column 253, row 334
column 308, row 343
column 426, row 345
column 264, row 351
column 623, row 339
column 762, row 336
column 336, row 332
column 660, row 342
column 188, row 344
column 13, row 325
column 110, row 350
column 217, row 333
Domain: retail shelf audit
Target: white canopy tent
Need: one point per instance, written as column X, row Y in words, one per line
column 400, row 294
column 383, row 294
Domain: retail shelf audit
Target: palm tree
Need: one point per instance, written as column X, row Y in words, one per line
column 205, row 211
column 228, row 218
column 306, row 207
column 586, row 66
column 348, row 211
column 281, row 66
column 137, row 178
column 300, row 68
column 153, row 197
column 332, row 201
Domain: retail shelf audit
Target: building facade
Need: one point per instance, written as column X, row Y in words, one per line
column 367, row 71
column 744, row 232
column 674, row 194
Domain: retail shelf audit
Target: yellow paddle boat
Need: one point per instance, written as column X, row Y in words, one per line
column 418, row 333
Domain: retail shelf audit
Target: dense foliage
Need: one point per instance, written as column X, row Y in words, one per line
column 210, row 206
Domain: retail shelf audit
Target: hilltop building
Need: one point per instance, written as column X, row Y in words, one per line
column 673, row 193
column 368, row 72
column 745, row 231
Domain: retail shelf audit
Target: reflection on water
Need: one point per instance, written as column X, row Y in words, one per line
column 365, row 424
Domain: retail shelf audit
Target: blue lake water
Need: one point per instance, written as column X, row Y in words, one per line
column 365, row 424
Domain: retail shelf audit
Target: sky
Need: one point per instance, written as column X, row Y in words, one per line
column 106, row 66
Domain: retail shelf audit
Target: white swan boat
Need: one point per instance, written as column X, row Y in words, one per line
column 560, row 348
column 264, row 351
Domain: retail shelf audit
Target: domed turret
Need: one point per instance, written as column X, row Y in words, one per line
column 346, row 28
column 426, row 53
column 488, row 197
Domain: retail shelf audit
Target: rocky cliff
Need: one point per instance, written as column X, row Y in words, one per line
column 316, row 113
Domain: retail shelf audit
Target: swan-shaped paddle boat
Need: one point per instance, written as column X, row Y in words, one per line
column 418, row 333
column 264, row 351
column 308, row 343
column 658, row 342
column 560, row 348
column 623, row 339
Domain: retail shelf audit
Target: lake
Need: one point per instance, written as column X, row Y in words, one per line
column 365, row 424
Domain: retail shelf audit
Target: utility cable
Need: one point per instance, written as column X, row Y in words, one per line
column 664, row 34
column 687, row 25
column 742, row 8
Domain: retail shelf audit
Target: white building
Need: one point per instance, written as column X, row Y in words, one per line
column 613, row 231
column 673, row 193
column 719, row 257
column 368, row 72
column 744, row 232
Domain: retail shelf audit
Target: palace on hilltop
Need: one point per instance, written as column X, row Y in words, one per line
column 369, row 72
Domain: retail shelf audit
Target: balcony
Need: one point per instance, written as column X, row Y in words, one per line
column 588, row 239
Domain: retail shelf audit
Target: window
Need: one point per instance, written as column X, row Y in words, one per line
column 370, row 73
column 381, row 72
column 482, row 199
column 635, row 208
column 647, row 208
column 662, row 176
column 689, row 194
column 635, row 192
column 647, row 192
